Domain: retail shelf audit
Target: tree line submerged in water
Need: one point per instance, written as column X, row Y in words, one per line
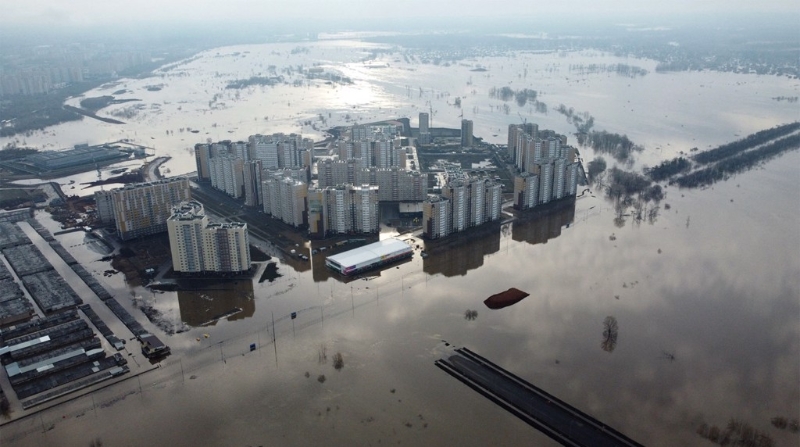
column 631, row 189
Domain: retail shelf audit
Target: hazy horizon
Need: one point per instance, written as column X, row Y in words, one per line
column 80, row 13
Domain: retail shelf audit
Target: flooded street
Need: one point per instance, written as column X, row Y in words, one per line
column 703, row 301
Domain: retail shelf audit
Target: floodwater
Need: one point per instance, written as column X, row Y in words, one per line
column 706, row 297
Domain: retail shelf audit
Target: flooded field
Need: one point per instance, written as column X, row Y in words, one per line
column 655, row 328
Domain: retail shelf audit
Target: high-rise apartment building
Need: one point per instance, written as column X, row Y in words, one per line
column 104, row 201
column 382, row 150
column 526, row 191
column 470, row 202
column 202, row 154
column 285, row 199
column 436, row 219
column 226, row 247
column 265, row 148
column 185, row 227
column 252, row 183
column 545, row 155
column 559, row 176
column 198, row 246
column 458, row 194
column 424, row 129
column 396, row 184
column 343, row 209
column 280, row 151
column 494, row 201
column 141, row 209
column 227, row 174
column 545, row 182
column 466, row 133
column 338, row 172
column 572, row 179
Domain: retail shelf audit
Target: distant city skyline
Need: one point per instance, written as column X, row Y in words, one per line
column 88, row 12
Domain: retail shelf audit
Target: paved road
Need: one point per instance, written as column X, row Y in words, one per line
column 553, row 417
column 151, row 172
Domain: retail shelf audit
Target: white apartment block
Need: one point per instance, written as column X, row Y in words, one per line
column 494, row 201
column 395, row 184
column 343, row 209
column 338, row 172
column 252, row 183
column 477, row 202
column 185, row 227
column 545, row 182
column 469, row 202
column 264, row 148
column 382, row 150
column 227, row 175
column 104, row 201
column 436, row 219
column 572, row 179
column 226, row 247
column 201, row 247
column 458, row 194
column 363, row 149
column 526, row 191
column 559, row 175
column 285, row 199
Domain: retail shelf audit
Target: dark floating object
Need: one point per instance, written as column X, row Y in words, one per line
column 505, row 299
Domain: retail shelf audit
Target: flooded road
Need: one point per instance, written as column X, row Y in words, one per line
column 704, row 301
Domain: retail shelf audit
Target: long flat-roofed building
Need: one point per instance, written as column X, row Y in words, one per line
column 80, row 155
column 369, row 257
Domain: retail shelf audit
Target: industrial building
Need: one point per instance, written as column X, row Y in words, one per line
column 80, row 155
column 369, row 256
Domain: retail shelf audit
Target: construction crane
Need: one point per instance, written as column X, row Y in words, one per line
column 524, row 120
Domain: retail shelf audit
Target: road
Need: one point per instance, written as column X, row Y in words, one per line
column 151, row 173
column 555, row 418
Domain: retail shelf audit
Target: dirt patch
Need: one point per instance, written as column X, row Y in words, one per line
column 75, row 212
column 138, row 255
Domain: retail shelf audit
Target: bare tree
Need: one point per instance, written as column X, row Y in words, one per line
column 610, row 332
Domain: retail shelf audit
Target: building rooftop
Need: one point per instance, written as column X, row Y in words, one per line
column 189, row 210
column 227, row 225
column 368, row 252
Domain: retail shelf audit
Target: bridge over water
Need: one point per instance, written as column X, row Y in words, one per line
column 553, row 417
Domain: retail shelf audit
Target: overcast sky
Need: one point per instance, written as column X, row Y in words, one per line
column 93, row 12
